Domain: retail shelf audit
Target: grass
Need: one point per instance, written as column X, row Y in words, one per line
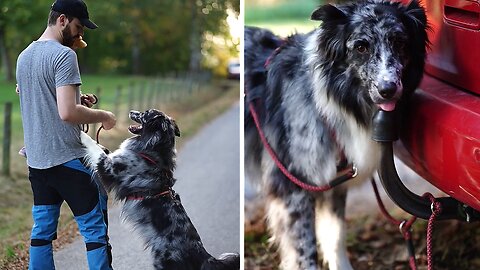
column 284, row 18
column 286, row 28
column 90, row 84
column 192, row 109
column 285, row 10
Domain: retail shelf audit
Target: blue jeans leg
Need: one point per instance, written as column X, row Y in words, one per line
column 94, row 232
column 44, row 230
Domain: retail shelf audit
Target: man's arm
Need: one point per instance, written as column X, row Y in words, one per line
column 74, row 113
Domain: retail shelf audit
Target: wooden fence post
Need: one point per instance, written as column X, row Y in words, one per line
column 118, row 96
column 161, row 91
column 190, row 83
column 7, row 139
column 141, row 97
column 157, row 90
column 171, row 90
column 131, row 96
column 151, row 96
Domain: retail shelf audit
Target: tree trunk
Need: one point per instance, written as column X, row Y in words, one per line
column 6, row 63
column 136, row 62
column 136, row 51
column 195, row 41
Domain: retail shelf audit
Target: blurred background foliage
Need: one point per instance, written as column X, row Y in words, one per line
column 148, row 37
column 279, row 10
column 283, row 17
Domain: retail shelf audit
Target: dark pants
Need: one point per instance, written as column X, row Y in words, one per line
column 72, row 183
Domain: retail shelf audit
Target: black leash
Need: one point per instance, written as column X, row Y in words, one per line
column 83, row 101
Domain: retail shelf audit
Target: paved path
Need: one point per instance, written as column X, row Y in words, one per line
column 208, row 168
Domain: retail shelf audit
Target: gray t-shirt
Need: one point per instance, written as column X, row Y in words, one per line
column 41, row 68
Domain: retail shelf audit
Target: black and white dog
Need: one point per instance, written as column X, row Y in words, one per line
column 315, row 95
column 140, row 173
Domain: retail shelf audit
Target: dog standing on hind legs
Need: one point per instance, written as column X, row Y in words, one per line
column 140, row 173
column 315, row 95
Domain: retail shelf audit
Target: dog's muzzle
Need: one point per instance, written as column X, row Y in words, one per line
column 135, row 116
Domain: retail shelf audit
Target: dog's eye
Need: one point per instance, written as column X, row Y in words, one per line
column 398, row 42
column 362, row 48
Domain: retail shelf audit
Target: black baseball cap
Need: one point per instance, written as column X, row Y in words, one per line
column 75, row 8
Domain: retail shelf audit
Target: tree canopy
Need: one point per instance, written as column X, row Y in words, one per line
column 134, row 37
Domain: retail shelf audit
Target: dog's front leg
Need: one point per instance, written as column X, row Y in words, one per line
column 292, row 223
column 330, row 228
column 93, row 152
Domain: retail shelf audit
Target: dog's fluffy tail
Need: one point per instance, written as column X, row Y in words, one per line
column 226, row 261
column 93, row 152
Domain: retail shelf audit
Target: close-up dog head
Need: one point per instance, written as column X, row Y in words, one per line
column 376, row 46
column 154, row 128
column 155, row 144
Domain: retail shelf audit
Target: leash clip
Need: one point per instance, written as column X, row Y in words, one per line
column 467, row 211
column 400, row 227
column 355, row 171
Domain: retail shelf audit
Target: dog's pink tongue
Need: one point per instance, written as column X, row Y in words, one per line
column 388, row 107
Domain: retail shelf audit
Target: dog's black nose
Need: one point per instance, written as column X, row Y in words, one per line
column 387, row 90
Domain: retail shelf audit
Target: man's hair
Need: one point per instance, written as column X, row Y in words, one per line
column 53, row 16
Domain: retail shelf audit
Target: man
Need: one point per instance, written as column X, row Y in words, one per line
column 48, row 78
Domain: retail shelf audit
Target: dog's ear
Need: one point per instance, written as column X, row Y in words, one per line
column 333, row 34
column 327, row 13
column 415, row 20
column 177, row 130
column 415, row 14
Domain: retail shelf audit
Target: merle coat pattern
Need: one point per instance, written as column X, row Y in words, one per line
column 140, row 173
column 363, row 57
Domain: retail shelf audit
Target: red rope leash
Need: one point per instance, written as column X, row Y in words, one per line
column 345, row 174
column 139, row 198
column 348, row 174
column 269, row 59
column 404, row 226
column 147, row 158
column 436, row 210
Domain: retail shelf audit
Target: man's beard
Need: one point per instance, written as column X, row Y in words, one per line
column 68, row 39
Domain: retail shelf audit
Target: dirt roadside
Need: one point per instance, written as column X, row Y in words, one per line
column 372, row 242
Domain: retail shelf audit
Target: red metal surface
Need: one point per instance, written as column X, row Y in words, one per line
column 455, row 53
column 441, row 139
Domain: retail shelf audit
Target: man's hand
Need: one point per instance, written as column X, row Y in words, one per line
column 110, row 122
column 70, row 111
column 88, row 100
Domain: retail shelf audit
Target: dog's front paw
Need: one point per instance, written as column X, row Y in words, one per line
column 86, row 140
column 93, row 151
